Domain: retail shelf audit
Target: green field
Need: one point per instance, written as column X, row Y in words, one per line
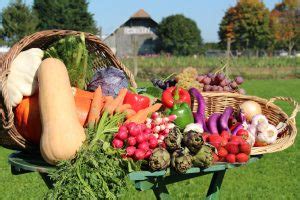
column 275, row 176
column 249, row 67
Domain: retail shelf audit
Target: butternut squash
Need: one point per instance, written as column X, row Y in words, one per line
column 62, row 134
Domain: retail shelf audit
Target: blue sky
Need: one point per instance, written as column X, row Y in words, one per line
column 109, row 14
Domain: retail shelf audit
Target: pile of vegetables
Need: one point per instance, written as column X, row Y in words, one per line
column 99, row 130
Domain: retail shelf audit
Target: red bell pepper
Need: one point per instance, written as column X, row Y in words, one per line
column 174, row 95
column 137, row 102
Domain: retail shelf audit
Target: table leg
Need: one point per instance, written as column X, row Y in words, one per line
column 215, row 185
column 47, row 180
column 161, row 192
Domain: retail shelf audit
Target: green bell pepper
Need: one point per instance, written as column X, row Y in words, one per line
column 184, row 114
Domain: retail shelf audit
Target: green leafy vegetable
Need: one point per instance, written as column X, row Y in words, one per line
column 98, row 171
column 72, row 51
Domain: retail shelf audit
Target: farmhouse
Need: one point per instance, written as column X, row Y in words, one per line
column 137, row 36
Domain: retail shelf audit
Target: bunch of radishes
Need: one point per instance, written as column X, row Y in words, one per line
column 160, row 125
column 230, row 148
column 138, row 140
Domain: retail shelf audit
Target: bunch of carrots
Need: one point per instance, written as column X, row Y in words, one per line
column 110, row 105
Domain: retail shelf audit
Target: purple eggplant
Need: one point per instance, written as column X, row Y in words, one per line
column 236, row 129
column 199, row 116
column 225, row 117
column 241, row 117
column 212, row 123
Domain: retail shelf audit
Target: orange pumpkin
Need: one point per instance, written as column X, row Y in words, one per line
column 27, row 114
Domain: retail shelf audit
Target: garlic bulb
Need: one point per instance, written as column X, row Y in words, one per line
column 268, row 136
column 260, row 118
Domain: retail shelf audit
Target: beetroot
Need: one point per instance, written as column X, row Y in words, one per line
column 116, row 143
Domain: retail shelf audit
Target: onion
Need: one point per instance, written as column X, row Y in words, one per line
column 250, row 108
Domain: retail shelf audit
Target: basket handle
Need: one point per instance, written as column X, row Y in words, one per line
column 290, row 101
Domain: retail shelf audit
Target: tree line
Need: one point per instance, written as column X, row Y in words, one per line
column 247, row 25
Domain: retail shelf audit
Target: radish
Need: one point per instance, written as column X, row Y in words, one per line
column 148, row 154
column 153, row 142
column 117, row 143
column 154, row 115
column 130, row 125
column 144, row 146
column 123, row 128
column 141, row 138
column 147, row 131
column 142, row 127
column 131, row 141
column 158, row 121
column 134, row 131
column 172, row 117
column 130, row 150
column 122, row 135
column 139, row 154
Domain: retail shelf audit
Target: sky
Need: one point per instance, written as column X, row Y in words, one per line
column 110, row 14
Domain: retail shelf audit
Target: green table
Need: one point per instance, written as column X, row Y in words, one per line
column 143, row 180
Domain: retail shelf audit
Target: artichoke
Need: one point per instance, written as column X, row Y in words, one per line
column 204, row 157
column 193, row 141
column 181, row 160
column 160, row 159
column 173, row 140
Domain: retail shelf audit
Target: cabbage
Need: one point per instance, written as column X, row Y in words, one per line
column 110, row 79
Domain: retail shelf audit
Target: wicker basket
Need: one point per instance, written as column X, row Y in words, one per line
column 217, row 102
column 9, row 136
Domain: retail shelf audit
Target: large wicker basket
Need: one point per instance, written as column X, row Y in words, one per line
column 217, row 102
column 9, row 136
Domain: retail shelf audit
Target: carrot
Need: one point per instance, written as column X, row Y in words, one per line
column 96, row 107
column 122, row 108
column 111, row 107
column 129, row 113
column 141, row 115
column 108, row 98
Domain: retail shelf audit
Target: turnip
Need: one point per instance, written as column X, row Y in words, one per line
column 130, row 150
column 118, row 144
column 139, row 154
column 131, row 141
column 144, row 146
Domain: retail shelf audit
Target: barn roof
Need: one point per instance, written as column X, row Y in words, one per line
column 140, row 14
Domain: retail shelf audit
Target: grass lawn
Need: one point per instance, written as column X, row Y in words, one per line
column 275, row 176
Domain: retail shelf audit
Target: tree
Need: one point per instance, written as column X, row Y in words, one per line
column 18, row 20
column 246, row 25
column 179, row 35
column 285, row 24
column 65, row 14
